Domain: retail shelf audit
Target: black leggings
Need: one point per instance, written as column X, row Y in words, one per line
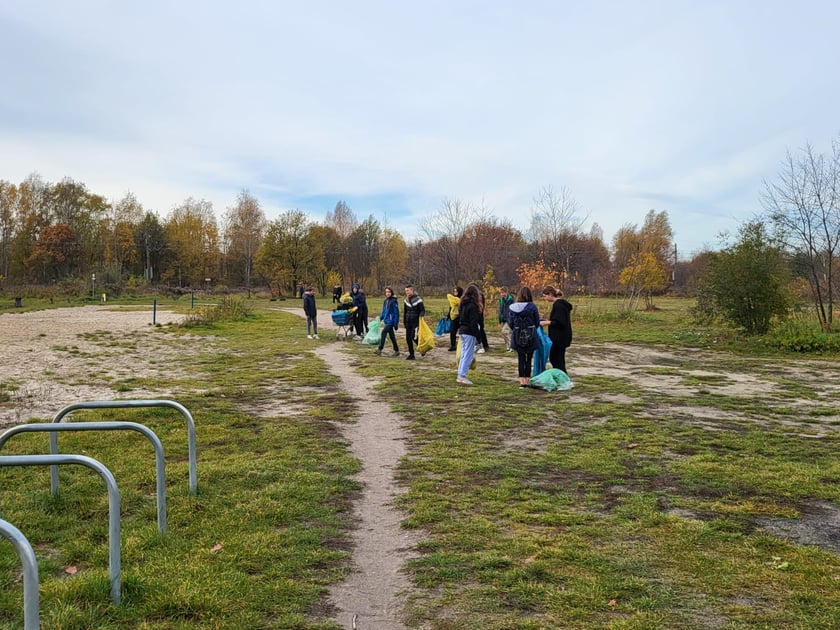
column 557, row 355
column 525, row 359
column 453, row 331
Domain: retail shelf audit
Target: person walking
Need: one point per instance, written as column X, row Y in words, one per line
column 505, row 300
column 360, row 316
column 524, row 319
column 454, row 315
column 469, row 331
column 413, row 310
column 559, row 327
column 311, row 313
column 390, row 321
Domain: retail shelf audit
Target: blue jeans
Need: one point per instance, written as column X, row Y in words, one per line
column 467, row 354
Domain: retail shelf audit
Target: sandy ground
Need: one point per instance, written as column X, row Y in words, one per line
column 50, row 359
column 57, row 357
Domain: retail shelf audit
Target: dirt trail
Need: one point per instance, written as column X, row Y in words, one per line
column 372, row 596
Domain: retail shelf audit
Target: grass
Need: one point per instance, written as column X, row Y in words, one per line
column 614, row 505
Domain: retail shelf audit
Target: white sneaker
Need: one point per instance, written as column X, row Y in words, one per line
column 480, row 351
column 309, row 336
column 316, row 336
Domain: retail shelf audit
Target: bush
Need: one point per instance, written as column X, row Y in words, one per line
column 227, row 310
column 797, row 336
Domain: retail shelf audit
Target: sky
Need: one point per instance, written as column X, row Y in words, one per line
column 682, row 106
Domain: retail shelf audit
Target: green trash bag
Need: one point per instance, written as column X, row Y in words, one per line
column 552, row 380
column 374, row 333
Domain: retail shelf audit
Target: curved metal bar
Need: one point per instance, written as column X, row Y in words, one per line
column 160, row 476
column 132, row 404
column 113, row 503
column 31, row 604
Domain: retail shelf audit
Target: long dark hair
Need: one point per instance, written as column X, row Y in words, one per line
column 524, row 295
column 471, row 295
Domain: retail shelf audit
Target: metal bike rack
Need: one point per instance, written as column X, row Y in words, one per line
column 108, row 426
column 31, row 605
column 113, row 504
column 129, row 404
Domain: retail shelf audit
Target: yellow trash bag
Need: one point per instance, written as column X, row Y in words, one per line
column 454, row 305
column 458, row 354
column 425, row 337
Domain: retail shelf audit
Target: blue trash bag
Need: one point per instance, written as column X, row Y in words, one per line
column 552, row 380
column 444, row 325
column 542, row 351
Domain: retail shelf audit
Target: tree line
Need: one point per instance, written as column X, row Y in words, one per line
column 61, row 234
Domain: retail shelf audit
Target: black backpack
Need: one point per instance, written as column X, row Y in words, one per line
column 525, row 336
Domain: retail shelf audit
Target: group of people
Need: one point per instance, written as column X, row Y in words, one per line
column 413, row 310
column 519, row 318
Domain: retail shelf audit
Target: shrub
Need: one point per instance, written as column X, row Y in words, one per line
column 798, row 336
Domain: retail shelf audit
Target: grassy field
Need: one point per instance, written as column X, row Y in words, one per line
column 620, row 504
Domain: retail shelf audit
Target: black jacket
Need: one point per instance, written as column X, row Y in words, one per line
column 413, row 310
column 560, row 323
column 470, row 319
column 309, row 305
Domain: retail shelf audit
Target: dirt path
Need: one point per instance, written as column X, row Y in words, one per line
column 372, row 596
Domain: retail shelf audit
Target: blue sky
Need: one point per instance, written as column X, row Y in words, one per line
column 681, row 106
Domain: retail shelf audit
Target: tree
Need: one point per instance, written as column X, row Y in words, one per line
column 554, row 225
column 150, row 242
column 54, row 248
column 193, row 243
column 245, row 225
column 643, row 258
column 538, row 275
column 289, row 252
column 122, row 247
column 747, row 283
column 363, row 250
column 8, row 224
column 803, row 204
column 444, row 231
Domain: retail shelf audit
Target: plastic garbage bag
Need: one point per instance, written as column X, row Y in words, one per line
column 425, row 338
column 374, row 333
column 552, row 380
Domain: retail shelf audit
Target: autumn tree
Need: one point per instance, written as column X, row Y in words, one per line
column 53, row 251
column 803, row 204
column 244, row 226
column 121, row 250
column 289, row 252
column 491, row 243
column 642, row 257
column 538, row 274
column 193, row 243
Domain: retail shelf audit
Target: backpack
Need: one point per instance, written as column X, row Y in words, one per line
column 525, row 336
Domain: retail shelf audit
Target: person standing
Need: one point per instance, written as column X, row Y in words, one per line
column 360, row 316
column 469, row 331
column 390, row 321
column 311, row 313
column 454, row 315
column 505, row 300
column 559, row 327
column 413, row 310
column 482, row 338
column 524, row 319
